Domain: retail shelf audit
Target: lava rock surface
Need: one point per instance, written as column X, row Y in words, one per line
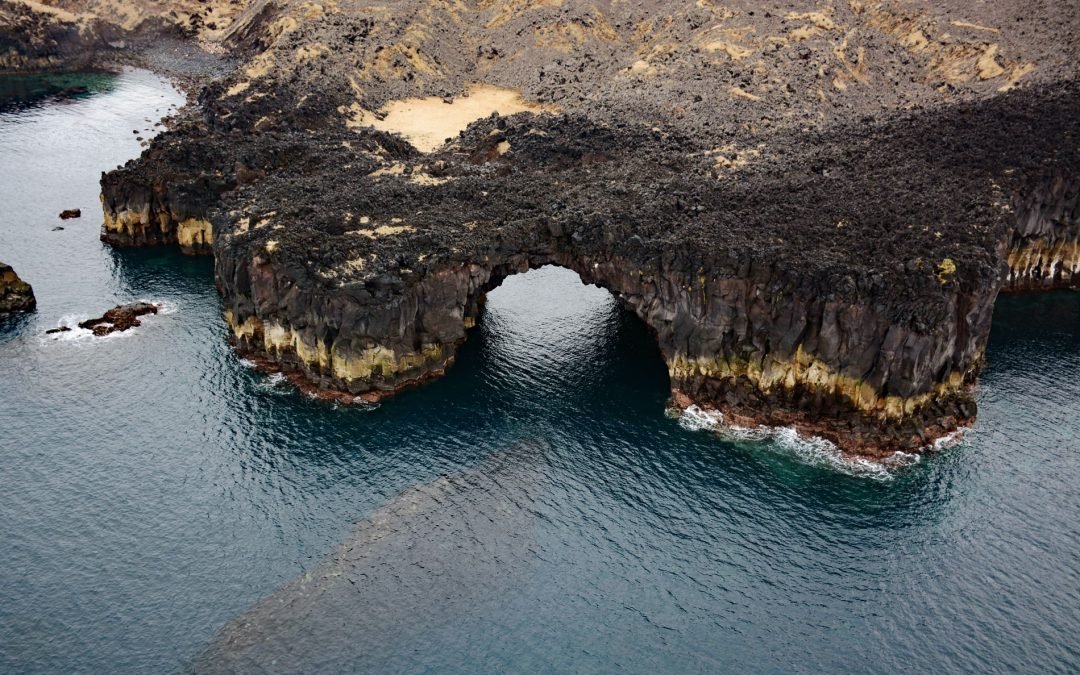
column 15, row 294
column 812, row 205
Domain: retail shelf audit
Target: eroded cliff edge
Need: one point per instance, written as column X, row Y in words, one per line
column 813, row 208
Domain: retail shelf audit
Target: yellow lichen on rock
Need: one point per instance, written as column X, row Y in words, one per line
column 731, row 158
column 251, row 328
column 734, row 51
column 125, row 221
column 511, row 9
column 309, row 52
column 946, row 270
column 384, row 230
column 1038, row 262
column 955, row 61
column 194, row 233
column 818, row 19
column 739, row 92
column 238, row 88
column 362, row 366
column 261, row 65
column 427, row 122
column 770, row 374
column 566, row 36
column 987, row 66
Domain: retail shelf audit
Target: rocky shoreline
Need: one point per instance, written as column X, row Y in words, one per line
column 813, row 210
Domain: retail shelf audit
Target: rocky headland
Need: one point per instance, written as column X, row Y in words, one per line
column 15, row 294
column 813, row 205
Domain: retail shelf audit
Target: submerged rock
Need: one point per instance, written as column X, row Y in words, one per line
column 15, row 294
column 432, row 555
column 118, row 319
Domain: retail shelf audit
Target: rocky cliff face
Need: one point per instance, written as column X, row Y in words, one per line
column 813, row 209
column 35, row 37
column 68, row 35
column 165, row 208
column 15, row 294
column 1045, row 249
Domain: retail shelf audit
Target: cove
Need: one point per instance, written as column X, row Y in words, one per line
column 155, row 490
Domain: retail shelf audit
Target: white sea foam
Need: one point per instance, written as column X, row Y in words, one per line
column 245, row 363
column 812, row 450
column 359, row 402
column 948, row 440
column 698, row 419
column 71, row 321
column 75, row 333
column 273, row 383
column 165, row 307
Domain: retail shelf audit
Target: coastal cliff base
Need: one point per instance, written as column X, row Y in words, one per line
column 813, row 208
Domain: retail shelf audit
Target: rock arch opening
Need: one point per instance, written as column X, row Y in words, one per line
column 545, row 338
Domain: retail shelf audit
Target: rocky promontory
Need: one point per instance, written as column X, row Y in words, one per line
column 68, row 35
column 813, row 205
column 15, row 294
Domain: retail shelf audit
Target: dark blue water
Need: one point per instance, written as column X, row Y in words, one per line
column 533, row 511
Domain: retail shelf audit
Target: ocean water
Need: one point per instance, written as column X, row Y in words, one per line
column 165, row 507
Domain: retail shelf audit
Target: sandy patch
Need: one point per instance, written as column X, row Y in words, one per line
column 974, row 26
column 384, row 230
column 427, row 122
column 739, row 92
column 734, row 51
column 417, row 175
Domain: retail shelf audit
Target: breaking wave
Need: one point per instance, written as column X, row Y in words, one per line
column 812, row 450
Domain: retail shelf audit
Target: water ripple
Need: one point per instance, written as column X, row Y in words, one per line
column 535, row 510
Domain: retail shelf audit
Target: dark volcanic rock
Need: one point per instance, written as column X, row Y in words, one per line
column 813, row 208
column 36, row 39
column 119, row 319
column 68, row 214
column 70, row 35
column 1044, row 252
column 15, row 294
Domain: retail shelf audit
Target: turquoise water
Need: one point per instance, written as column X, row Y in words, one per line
column 23, row 92
column 537, row 511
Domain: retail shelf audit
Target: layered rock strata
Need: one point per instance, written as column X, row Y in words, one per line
column 812, row 207
column 15, row 294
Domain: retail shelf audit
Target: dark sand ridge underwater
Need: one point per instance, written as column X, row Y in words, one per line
column 439, row 551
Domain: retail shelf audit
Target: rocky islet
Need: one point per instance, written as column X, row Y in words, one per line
column 15, row 294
